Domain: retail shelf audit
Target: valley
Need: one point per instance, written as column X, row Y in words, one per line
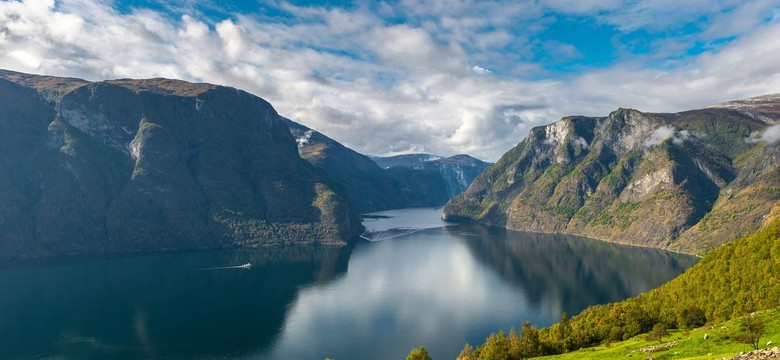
column 256, row 220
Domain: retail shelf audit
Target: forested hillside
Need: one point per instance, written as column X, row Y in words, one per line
column 733, row 280
column 687, row 181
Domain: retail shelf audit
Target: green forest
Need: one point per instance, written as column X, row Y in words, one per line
column 735, row 279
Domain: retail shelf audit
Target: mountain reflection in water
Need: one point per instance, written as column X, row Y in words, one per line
column 417, row 283
column 166, row 305
column 569, row 271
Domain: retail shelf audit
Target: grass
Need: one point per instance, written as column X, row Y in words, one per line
column 691, row 344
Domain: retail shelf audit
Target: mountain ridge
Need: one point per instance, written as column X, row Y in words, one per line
column 458, row 171
column 156, row 164
column 369, row 186
column 686, row 181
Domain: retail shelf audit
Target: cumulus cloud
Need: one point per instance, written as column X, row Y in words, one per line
column 480, row 70
column 384, row 87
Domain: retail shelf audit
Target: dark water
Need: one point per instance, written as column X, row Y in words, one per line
column 417, row 283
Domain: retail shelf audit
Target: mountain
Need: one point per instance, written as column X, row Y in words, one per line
column 370, row 187
column 687, row 181
column 457, row 171
column 135, row 165
column 414, row 161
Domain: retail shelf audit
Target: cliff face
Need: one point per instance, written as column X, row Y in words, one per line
column 131, row 165
column 457, row 171
column 370, row 187
column 688, row 181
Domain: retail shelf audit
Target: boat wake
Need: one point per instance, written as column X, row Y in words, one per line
column 246, row 266
column 389, row 234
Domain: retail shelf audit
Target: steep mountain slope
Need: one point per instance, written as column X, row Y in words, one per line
column 366, row 184
column 130, row 165
column 688, row 181
column 457, row 171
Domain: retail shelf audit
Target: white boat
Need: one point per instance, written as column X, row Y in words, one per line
column 245, row 266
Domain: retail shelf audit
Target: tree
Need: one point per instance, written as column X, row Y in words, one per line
column 561, row 333
column 496, row 347
column 530, row 344
column 420, row 353
column 467, row 353
column 690, row 317
column 752, row 329
column 658, row 332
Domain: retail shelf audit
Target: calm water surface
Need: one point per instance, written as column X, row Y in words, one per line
column 413, row 282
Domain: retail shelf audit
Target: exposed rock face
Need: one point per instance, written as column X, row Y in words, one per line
column 131, row 165
column 457, row 171
column 366, row 184
column 370, row 187
column 688, row 181
column 773, row 353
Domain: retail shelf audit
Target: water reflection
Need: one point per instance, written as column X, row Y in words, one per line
column 569, row 272
column 424, row 289
column 429, row 285
column 157, row 306
column 444, row 287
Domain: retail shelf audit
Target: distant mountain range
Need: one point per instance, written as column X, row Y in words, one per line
column 135, row 165
column 687, row 181
column 406, row 182
column 457, row 171
column 158, row 164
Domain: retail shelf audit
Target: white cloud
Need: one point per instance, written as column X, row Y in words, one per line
column 581, row 142
column 770, row 135
column 480, row 70
column 383, row 87
column 681, row 136
column 233, row 39
column 664, row 133
column 560, row 51
column 582, row 6
column 659, row 135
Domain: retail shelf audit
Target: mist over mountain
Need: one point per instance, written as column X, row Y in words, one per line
column 457, row 171
column 686, row 181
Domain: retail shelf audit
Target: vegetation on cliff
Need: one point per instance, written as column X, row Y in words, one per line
column 374, row 188
column 734, row 280
column 134, row 165
column 688, row 181
column 457, row 171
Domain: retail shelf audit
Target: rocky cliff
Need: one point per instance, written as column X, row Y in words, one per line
column 133, row 165
column 687, row 181
column 370, row 187
column 457, row 171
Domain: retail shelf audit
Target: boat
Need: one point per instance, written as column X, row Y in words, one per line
column 245, row 266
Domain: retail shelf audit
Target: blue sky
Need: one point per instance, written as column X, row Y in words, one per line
column 437, row 76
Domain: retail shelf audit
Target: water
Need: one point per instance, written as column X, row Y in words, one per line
column 416, row 282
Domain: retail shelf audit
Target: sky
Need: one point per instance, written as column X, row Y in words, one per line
column 436, row 76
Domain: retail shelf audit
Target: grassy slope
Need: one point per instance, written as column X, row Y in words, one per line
column 733, row 280
column 692, row 345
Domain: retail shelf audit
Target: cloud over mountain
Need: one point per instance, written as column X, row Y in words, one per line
column 436, row 76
